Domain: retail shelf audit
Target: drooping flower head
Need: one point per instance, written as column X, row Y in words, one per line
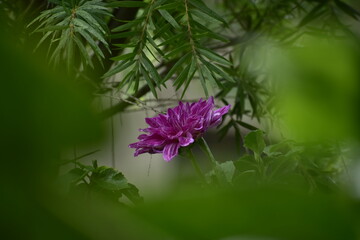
column 179, row 127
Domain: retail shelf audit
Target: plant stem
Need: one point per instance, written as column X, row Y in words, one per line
column 205, row 147
column 195, row 164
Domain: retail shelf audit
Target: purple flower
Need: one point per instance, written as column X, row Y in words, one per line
column 180, row 127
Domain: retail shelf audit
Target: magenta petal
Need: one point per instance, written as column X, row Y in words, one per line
column 170, row 151
column 222, row 111
column 152, row 122
column 186, row 141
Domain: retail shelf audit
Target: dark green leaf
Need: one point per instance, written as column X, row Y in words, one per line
column 127, row 4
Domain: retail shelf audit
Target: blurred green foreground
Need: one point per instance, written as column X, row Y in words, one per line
column 43, row 113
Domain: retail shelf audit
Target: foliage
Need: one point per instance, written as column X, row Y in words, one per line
column 91, row 180
column 261, row 57
column 71, row 23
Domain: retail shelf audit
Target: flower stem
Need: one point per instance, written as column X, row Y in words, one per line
column 206, row 149
column 195, row 164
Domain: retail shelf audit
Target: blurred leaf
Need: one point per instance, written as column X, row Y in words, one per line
column 109, row 179
column 255, row 141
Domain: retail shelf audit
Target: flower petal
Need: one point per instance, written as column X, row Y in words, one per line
column 152, row 122
column 216, row 118
column 170, row 151
column 186, row 141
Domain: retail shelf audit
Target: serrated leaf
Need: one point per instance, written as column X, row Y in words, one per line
column 255, row 141
column 132, row 193
column 109, row 179
column 228, row 168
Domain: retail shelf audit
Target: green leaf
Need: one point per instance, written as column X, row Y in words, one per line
column 210, row 77
column 172, row 5
column 246, row 125
column 127, row 4
column 213, row 68
column 151, row 69
column 52, row 28
column 172, row 39
column 177, row 66
column 200, row 6
column 109, row 179
column 124, row 57
column 190, row 75
column 125, row 26
column 125, row 45
column 255, row 141
column 124, row 34
column 182, row 77
column 313, row 14
column 211, row 55
column 209, row 33
column 348, row 9
column 43, row 39
column 121, row 67
column 92, row 43
column 169, row 18
column 151, row 41
column 90, row 19
column 228, row 169
column 149, row 81
column 83, row 51
column 74, row 175
column 82, row 24
column 70, row 54
column 203, row 82
column 177, row 50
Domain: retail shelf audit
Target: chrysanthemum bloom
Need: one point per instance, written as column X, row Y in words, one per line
column 180, row 127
